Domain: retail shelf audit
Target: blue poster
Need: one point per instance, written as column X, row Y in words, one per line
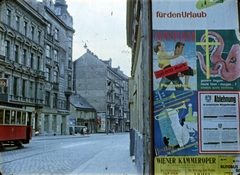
column 175, row 123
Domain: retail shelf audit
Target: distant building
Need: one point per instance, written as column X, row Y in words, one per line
column 105, row 88
column 82, row 113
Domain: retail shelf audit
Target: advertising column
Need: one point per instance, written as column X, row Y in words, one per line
column 101, row 123
column 196, row 70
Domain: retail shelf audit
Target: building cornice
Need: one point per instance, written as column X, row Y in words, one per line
column 59, row 20
column 30, row 9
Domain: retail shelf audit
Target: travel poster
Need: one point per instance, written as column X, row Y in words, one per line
column 175, row 123
column 174, row 60
column 218, row 60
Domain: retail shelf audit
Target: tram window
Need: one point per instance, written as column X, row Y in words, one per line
column 7, row 117
column 13, row 117
column 18, row 117
column 23, row 118
column 1, row 116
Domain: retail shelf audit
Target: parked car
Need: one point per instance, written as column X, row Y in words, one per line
column 77, row 129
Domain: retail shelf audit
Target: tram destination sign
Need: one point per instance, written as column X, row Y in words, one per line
column 3, row 82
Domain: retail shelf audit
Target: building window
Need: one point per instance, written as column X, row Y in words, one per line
column 24, row 88
column 47, row 74
column 24, row 57
column 6, row 88
column 25, row 28
column 58, row 11
column 49, row 29
column 55, row 55
column 8, row 17
column 70, row 52
column 14, row 86
column 7, row 49
column 40, row 91
column 56, row 34
column 63, row 104
column 69, row 64
column 47, row 99
column 48, row 51
column 30, row 90
column 60, row 104
column 55, row 76
column 32, row 32
column 17, row 22
column 32, row 61
column 39, row 37
column 54, row 100
column 38, row 62
column 16, row 48
column 69, row 82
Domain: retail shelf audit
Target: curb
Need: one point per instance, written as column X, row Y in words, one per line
column 53, row 138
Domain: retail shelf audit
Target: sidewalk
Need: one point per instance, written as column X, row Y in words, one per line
column 51, row 137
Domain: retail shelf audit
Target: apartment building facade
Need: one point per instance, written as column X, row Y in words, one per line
column 36, row 62
column 104, row 88
column 22, row 32
column 58, row 65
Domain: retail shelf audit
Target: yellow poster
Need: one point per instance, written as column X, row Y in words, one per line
column 197, row 165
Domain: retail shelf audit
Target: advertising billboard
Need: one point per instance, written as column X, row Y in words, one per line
column 196, row 74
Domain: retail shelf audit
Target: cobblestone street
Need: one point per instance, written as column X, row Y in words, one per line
column 93, row 154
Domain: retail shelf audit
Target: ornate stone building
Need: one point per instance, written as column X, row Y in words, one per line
column 36, row 59
column 22, row 57
column 57, row 65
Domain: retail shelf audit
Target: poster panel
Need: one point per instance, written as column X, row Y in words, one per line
column 101, row 122
column 197, row 165
column 175, row 123
column 211, row 50
column 173, row 43
column 218, row 62
column 218, row 122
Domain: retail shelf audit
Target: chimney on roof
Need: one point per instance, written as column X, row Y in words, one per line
column 110, row 62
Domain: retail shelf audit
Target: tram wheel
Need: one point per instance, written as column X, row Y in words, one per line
column 18, row 143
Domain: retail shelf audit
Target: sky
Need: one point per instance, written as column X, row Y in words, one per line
column 101, row 24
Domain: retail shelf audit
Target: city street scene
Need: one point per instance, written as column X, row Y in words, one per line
column 73, row 155
column 125, row 87
column 64, row 88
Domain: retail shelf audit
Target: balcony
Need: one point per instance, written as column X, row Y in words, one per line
column 68, row 91
column 39, row 102
column 21, row 100
column 15, row 98
column 111, row 116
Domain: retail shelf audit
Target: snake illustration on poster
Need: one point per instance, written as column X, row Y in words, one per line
column 218, row 60
column 175, row 123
